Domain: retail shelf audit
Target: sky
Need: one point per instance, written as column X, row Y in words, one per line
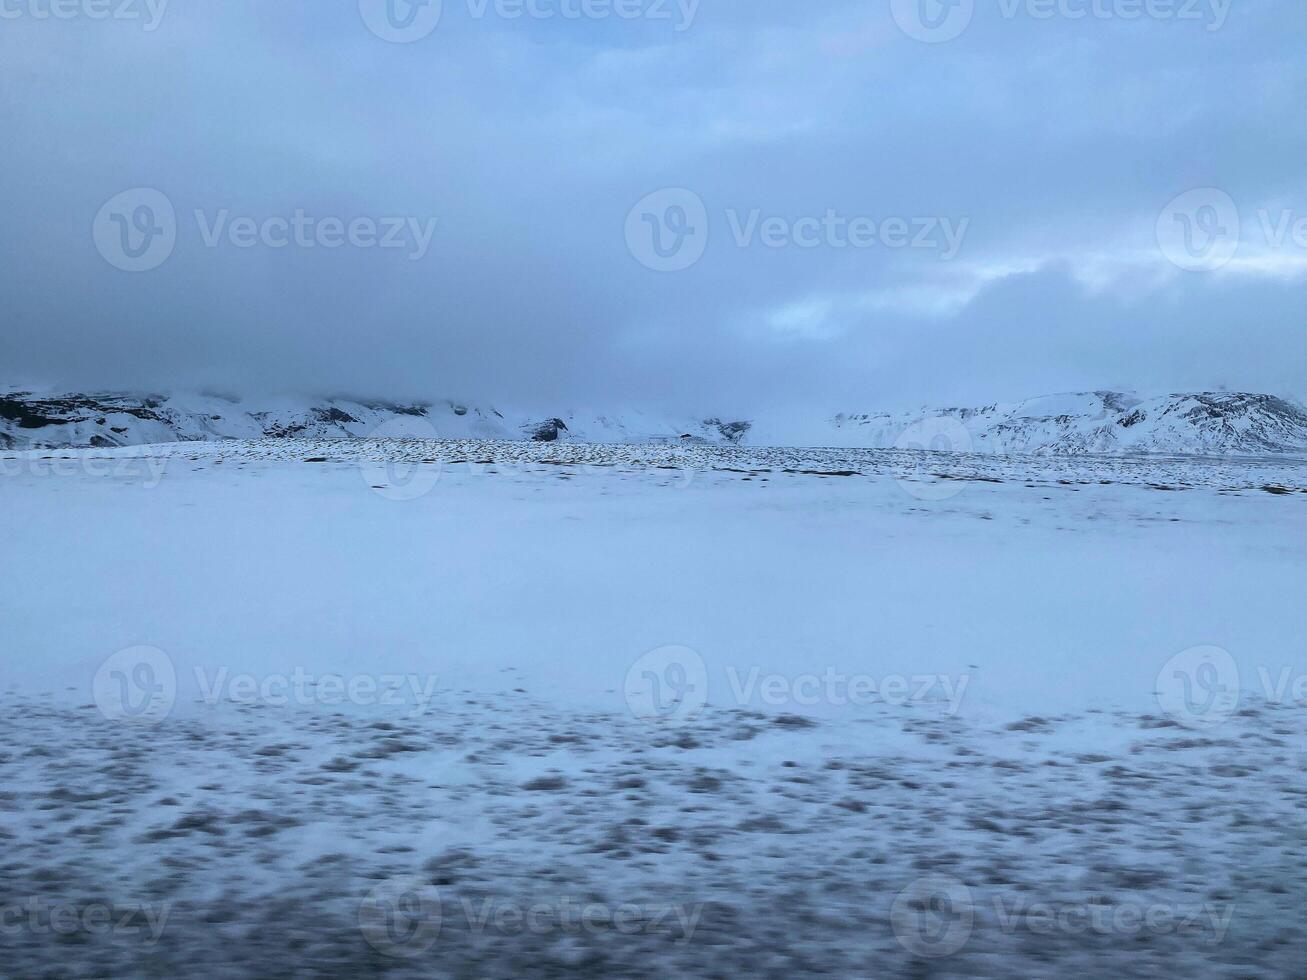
column 728, row 205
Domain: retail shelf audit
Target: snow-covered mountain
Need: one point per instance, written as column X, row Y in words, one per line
column 1220, row 423
column 31, row 419
column 1207, row 423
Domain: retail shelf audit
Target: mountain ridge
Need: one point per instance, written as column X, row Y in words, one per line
column 1187, row 423
column 1104, row 421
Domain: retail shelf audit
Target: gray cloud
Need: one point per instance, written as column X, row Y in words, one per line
column 528, row 141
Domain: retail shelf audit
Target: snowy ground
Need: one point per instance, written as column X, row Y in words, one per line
column 496, row 710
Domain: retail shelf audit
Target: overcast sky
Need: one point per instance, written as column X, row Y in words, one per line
column 872, row 204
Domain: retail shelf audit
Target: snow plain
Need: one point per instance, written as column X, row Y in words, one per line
column 409, row 712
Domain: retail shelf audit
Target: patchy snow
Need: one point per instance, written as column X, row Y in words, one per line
column 1207, row 423
column 43, row 419
column 1220, row 423
column 762, row 712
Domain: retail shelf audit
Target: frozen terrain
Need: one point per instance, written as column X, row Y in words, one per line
column 1202, row 423
column 47, row 418
column 327, row 707
column 1098, row 422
